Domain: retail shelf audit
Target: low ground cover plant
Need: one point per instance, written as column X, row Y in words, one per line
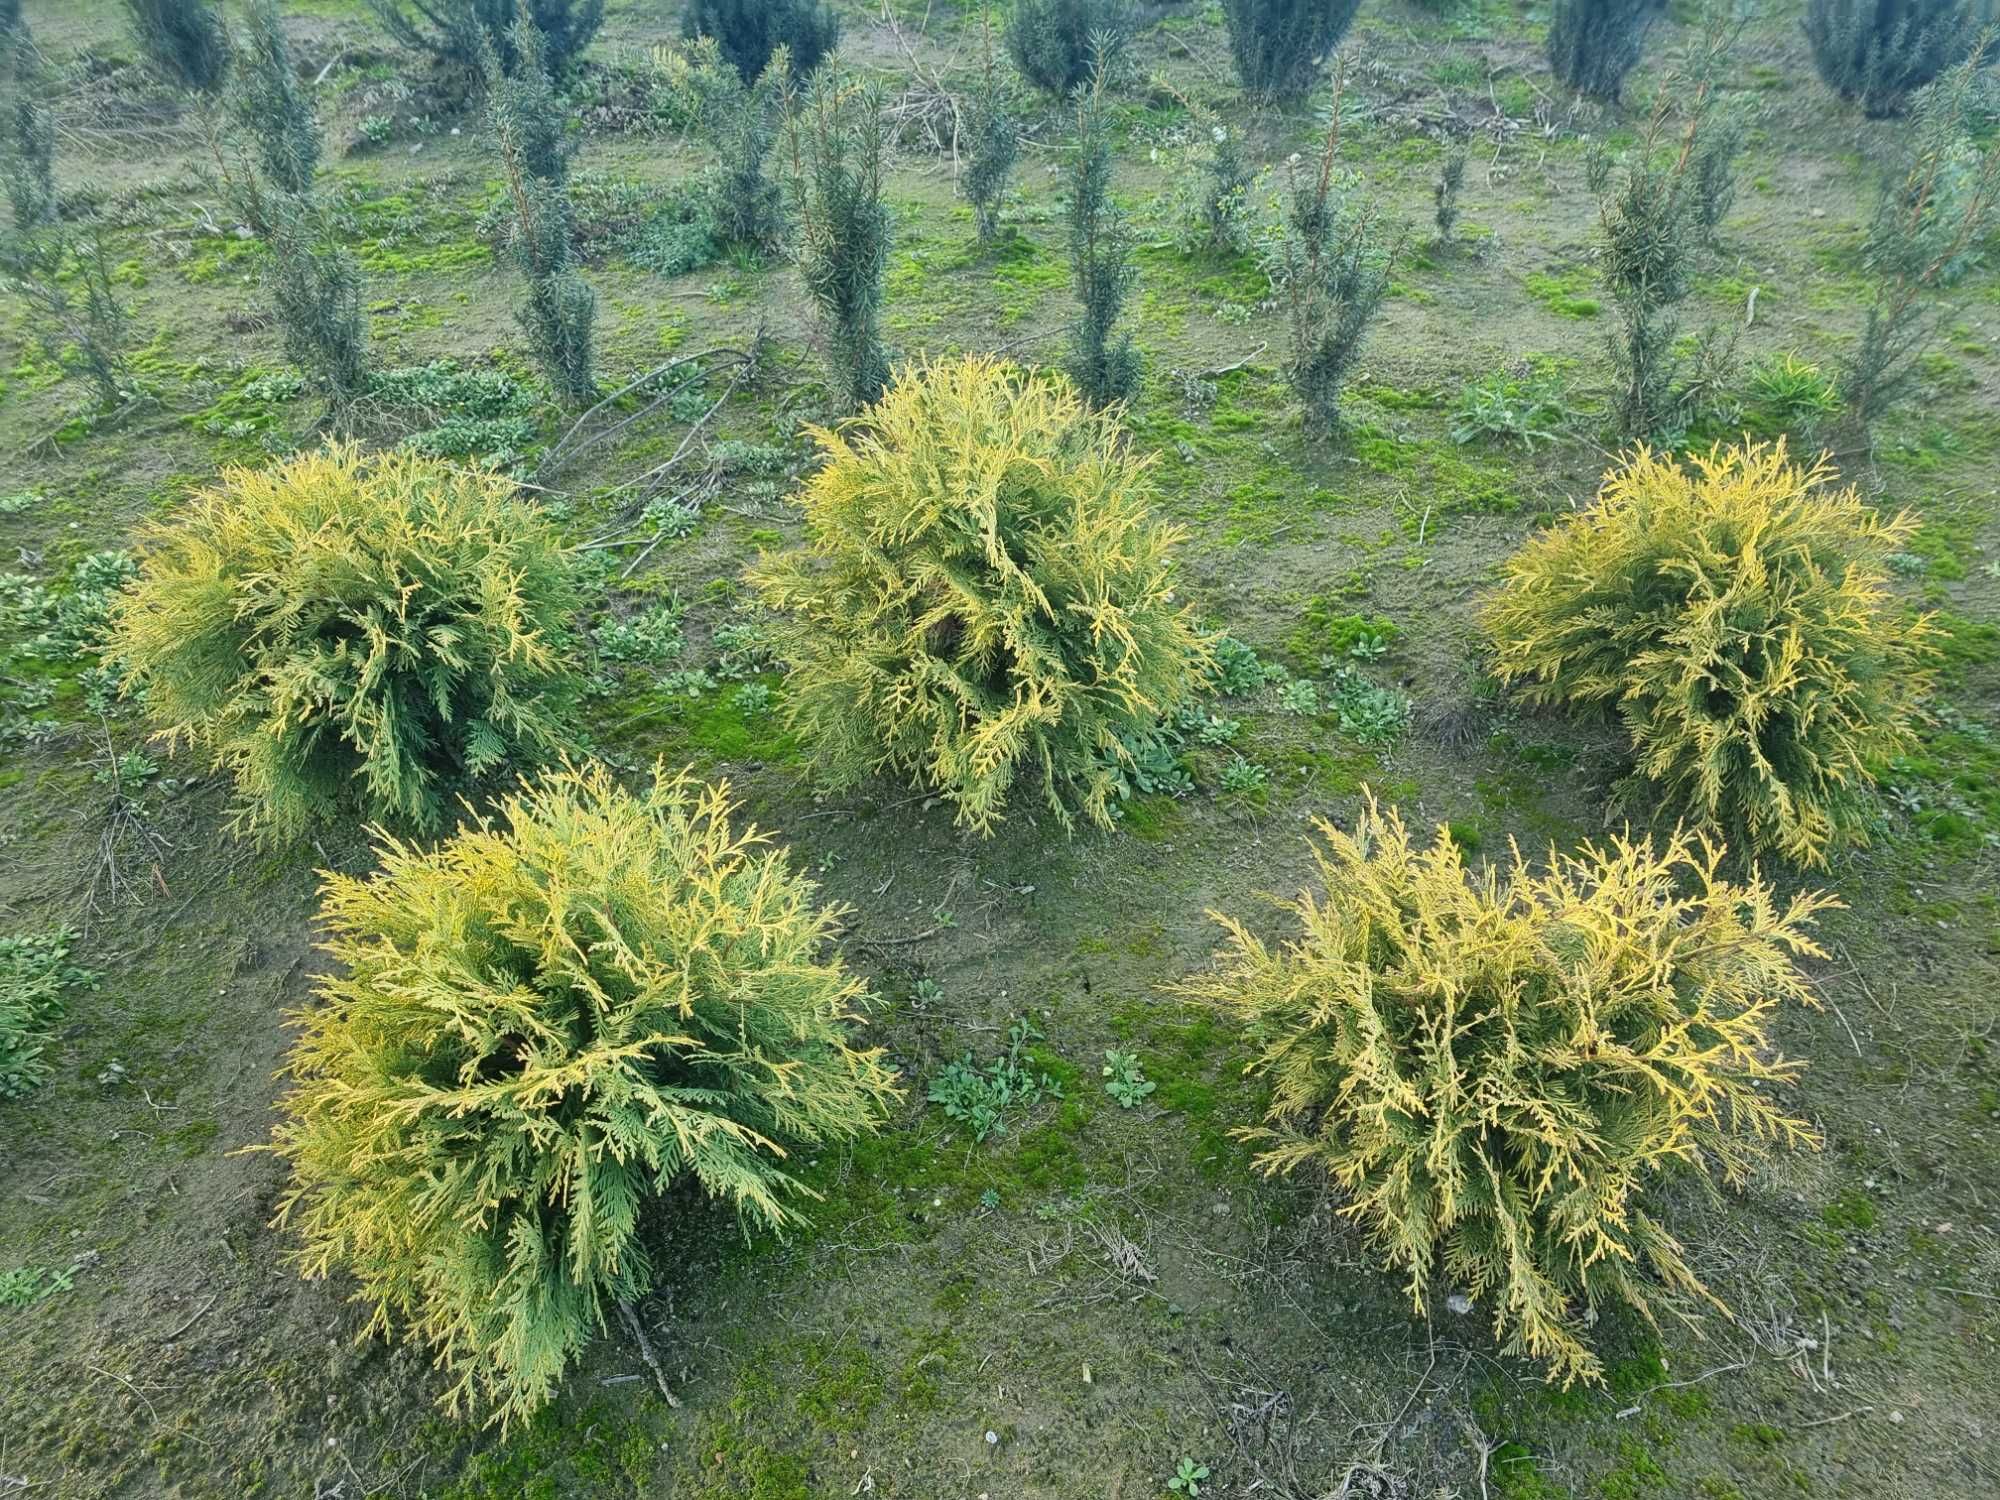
column 36, row 976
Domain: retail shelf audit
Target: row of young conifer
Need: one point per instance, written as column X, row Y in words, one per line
column 757, row 74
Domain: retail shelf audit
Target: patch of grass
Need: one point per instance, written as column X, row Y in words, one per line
column 595, row 1447
column 1569, row 294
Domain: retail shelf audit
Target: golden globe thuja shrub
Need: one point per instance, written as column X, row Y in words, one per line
column 1736, row 616
column 985, row 595
column 385, row 624
column 1491, row 1067
column 531, row 1032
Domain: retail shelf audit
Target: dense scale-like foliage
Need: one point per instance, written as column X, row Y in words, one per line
column 385, row 625
column 1593, row 44
column 535, row 1031
column 184, row 39
column 750, row 32
column 986, row 596
column 1736, row 618
column 1492, row 1068
column 463, row 34
column 1280, row 45
column 1876, row 53
column 1057, row 43
column 35, row 973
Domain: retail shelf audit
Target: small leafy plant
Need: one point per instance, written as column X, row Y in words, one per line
column 35, row 977
column 1735, row 617
column 1524, row 406
column 1188, row 1478
column 1369, row 713
column 1125, row 1080
column 1789, row 396
column 980, row 1097
column 334, row 625
column 1494, row 1069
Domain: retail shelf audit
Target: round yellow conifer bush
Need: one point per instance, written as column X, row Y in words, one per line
column 1736, row 616
column 385, row 624
column 534, row 1031
column 1490, row 1069
column 985, row 596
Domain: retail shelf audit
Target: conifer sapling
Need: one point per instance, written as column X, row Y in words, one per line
column 1281, row 46
column 338, row 627
column 534, row 1032
column 184, row 39
column 1103, row 362
column 529, row 128
column 1332, row 272
column 985, row 600
column 1060, row 45
column 837, row 140
column 1491, row 1069
column 750, row 33
column 993, row 143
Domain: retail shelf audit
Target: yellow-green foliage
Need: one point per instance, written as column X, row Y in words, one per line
column 986, row 592
column 387, row 623
column 1737, row 619
column 1491, row 1067
column 535, row 1030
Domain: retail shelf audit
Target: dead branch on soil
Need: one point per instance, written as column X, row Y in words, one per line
column 638, row 1332
column 126, row 838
